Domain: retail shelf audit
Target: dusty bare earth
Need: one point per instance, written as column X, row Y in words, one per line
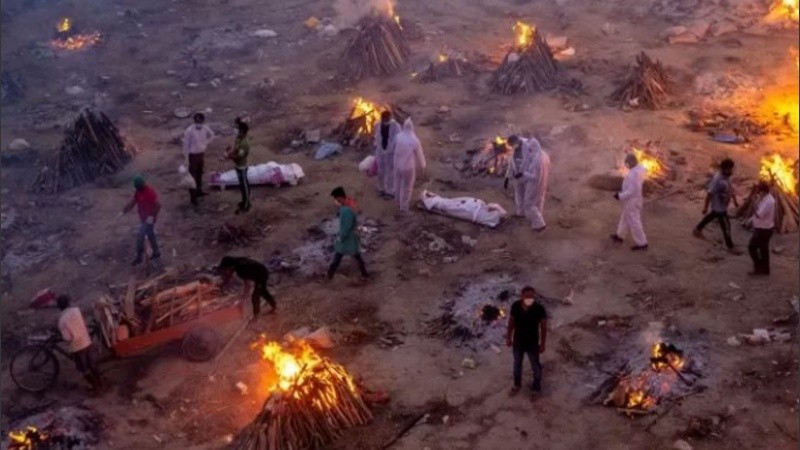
column 698, row 294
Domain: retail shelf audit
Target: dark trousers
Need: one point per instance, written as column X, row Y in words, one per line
column 196, row 164
column 260, row 291
column 84, row 362
column 724, row 223
column 146, row 231
column 337, row 259
column 244, row 188
column 759, row 249
column 533, row 356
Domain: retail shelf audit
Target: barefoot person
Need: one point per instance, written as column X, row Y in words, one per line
column 347, row 242
column 527, row 335
column 195, row 141
column 631, row 199
column 251, row 272
column 73, row 330
column 763, row 222
column 238, row 154
column 720, row 194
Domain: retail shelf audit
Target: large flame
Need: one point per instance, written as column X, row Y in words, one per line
column 524, row 35
column 369, row 111
column 302, row 373
column 781, row 171
column 653, row 167
column 662, row 357
column 780, row 101
column 28, row 439
column 782, row 10
column 636, row 396
column 64, row 25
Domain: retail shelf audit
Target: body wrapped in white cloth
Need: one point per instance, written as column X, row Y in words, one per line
column 465, row 208
column 270, row 173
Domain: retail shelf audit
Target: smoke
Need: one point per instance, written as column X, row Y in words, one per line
column 652, row 334
column 349, row 12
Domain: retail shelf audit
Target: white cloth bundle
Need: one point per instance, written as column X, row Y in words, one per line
column 270, row 173
column 465, row 208
column 185, row 179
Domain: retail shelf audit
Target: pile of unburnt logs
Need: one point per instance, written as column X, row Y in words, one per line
column 647, row 85
column 92, row 148
column 315, row 412
column 787, row 208
column 357, row 130
column 445, row 66
column 527, row 69
column 378, row 48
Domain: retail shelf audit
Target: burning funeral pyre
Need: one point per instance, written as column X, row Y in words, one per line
column 783, row 177
column 783, row 12
column 639, row 390
column 445, row 66
column 92, row 148
column 71, row 427
column 647, row 85
column 529, row 65
column 69, row 38
column 490, row 159
column 658, row 173
column 311, row 401
column 379, row 47
column 358, row 129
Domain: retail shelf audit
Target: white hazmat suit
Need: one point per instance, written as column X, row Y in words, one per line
column 535, row 171
column 385, row 157
column 407, row 155
column 632, row 202
column 518, row 184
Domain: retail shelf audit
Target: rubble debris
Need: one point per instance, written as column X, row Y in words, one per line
column 445, row 66
column 378, row 48
column 762, row 336
column 70, row 427
column 528, row 67
column 92, row 148
column 647, row 85
column 313, row 257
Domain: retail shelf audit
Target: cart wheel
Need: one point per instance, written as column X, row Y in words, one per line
column 200, row 343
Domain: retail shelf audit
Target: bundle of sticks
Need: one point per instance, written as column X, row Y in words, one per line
column 378, row 48
column 445, row 66
column 787, row 208
column 317, row 409
column 491, row 159
column 529, row 69
column 91, row 148
column 356, row 130
column 647, row 85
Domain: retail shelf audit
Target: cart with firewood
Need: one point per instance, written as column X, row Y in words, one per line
column 143, row 314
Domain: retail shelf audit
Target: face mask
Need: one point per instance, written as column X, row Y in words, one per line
column 527, row 301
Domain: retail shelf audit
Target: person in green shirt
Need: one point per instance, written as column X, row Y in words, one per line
column 238, row 154
column 347, row 242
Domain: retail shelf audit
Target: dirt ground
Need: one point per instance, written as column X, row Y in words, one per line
column 691, row 289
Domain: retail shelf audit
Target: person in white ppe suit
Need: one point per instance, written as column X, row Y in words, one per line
column 535, row 171
column 514, row 172
column 385, row 134
column 407, row 156
column 631, row 198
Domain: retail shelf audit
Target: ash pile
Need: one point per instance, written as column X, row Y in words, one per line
column 378, row 47
column 70, row 427
column 312, row 258
column 92, row 148
column 529, row 66
column 446, row 66
column 437, row 243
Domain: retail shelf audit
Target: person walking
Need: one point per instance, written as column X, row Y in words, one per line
column 720, row 194
column 763, row 222
column 79, row 344
column 632, row 201
column 385, row 134
column 535, row 172
column 514, row 173
column 408, row 155
column 251, row 272
column 347, row 242
column 145, row 198
column 238, row 154
column 527, row 335
column 195, row 141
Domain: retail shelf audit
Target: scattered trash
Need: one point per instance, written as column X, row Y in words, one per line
column 43, row 299
column 265, row 33
column 74, row 90
column 328, row 149
column 469, row 363
column 182, row 112
column 242, row 388
column 733, row 341
column 466, row 240
column 18, row 145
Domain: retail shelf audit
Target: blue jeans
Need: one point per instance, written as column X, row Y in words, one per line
column 533, row 356
column 146, row 231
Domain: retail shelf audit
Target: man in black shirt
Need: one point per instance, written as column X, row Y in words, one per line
column 527, row 334
column 249, row 271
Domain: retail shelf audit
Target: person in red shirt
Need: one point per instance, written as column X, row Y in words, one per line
column 146, row 201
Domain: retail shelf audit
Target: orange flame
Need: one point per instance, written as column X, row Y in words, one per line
column 781, row 171
column 662, row 358
column 29, row 439
column 64, row 25
column 784, row 9
column 524, row 34
column 370, row 112
column 652, row 166
column 77, row 42
column 443, row 58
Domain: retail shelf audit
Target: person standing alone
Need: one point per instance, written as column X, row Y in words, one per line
column 720, row 194
column 385, row 134
column 347, row 242
column 514, row 172
column 407, row 155
column 238, row 154
column 535, row 172
column 195, row 141
column 527, row 335
column 632, row 202
column 763, row 222
column 146, row 201
column 73, row 330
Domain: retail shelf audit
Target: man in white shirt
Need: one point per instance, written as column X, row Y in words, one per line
column 73, row 330
column 195, row 140
column 763, row 222
column 632, row 202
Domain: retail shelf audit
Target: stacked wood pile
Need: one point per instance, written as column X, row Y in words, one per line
column 352, row 132
column 647, row 85
column 740, row 126
column 92, row 148
column 490, row 159
column 378, row 48
column 159, row 302
column 445, row 66
column 529, row 69
column 787, row 208
column 313, row 413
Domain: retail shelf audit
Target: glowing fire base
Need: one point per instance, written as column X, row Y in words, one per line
column 358, row 129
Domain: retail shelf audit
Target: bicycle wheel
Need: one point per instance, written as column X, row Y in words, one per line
column 34, row 368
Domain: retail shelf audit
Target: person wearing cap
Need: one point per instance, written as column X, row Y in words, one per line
column 145, row 198
column 195, row 141
column 347, row 242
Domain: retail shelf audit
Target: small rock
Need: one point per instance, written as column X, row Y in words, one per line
column 74, row 90
column 601, row 323
column 680, row 444
column 296, row 143
column 192, row 85
column 469, row 363
column 445, row 419
column 228, row 438
column 328, row 30
column 609, row 29
column 182, row 112
column 733, row 285
column 443, row 109
column 312, row 136
column 795, row 302
column 424, row 272
column 18, row 145
column 265, row 33
column 777, row 249
column 242, row 388
column 782, row 337
column 675, row 31
column 733, row 341
column 216, row 82
column 450, row 259
column 699, row 28
column 466, row 240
